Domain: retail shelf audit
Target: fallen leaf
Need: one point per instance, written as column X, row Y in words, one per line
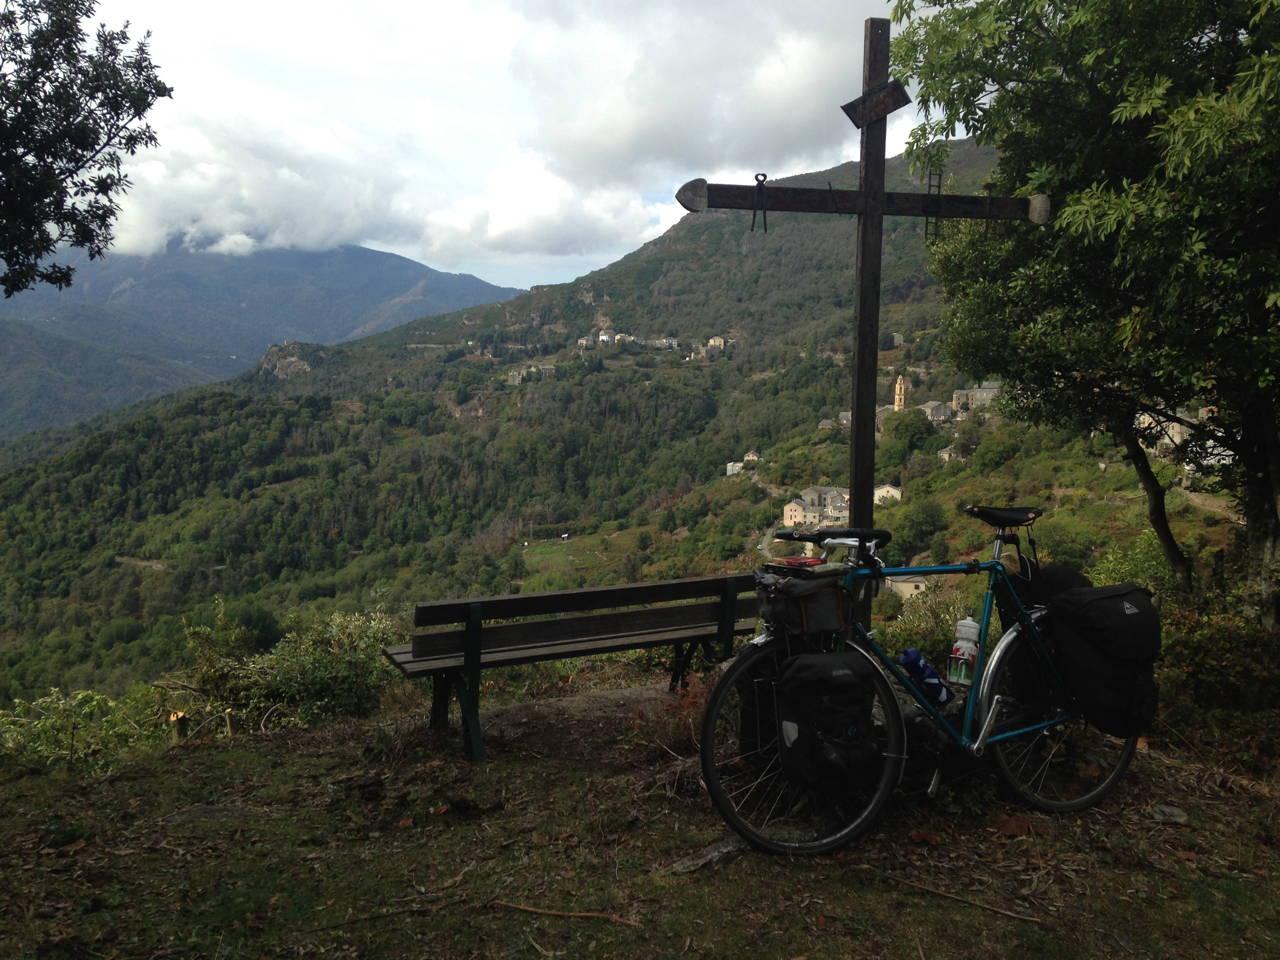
column 926, row 837
column 1015, row 825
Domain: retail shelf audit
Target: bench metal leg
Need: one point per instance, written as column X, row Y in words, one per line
column 469, row 699
column 469, row 681
column 441, row 684
column 680, row 664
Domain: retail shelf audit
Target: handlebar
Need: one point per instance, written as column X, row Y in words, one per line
column 821, row 536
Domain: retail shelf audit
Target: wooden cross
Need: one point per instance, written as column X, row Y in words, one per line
column 880, row 97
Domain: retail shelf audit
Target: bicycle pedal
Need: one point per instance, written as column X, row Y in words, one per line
column 935, row 783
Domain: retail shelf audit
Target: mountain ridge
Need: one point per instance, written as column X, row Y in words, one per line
column 212, row 315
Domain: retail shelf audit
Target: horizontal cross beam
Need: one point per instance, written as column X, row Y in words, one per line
column 698, row 195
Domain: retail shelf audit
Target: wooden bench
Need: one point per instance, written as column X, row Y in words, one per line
column 453, row 640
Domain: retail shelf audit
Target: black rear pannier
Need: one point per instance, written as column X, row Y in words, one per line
column 826, row 737
column 1036, row 586
column 800, row 606
column 1107, row 640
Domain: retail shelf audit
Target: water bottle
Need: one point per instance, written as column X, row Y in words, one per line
column 964, row 653
column 926, row 678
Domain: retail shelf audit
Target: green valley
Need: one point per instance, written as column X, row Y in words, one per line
column 416, row 463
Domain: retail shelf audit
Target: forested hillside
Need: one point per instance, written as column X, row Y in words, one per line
column 130, row 327
column 412, row 465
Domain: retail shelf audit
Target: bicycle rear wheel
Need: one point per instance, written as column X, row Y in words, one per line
column 742, row 764
column 1061, row 768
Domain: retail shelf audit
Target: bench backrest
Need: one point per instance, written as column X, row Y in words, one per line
column 536, row 620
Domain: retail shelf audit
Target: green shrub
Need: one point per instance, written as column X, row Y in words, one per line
column 928, row 623
column 1219, row 681
column 1066, row 540
column 1141, row 562
column 330, row 668
column 1219, row 660
column 84, row 731
column 887, row 606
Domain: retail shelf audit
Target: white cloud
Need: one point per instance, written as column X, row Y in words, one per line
column 523, row 142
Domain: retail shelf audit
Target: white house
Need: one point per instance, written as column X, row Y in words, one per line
column 733, row 468
column 907, row 586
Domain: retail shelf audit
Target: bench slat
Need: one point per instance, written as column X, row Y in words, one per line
column 443, row 612
column 536, row 632
column 403, row 659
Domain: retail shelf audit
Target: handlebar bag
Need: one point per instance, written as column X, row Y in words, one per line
column 1107, row 640
column 826, row 735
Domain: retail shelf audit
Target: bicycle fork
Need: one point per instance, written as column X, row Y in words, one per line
column 980, row 745
column 977, row 748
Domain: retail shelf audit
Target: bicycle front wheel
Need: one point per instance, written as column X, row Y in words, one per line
column 744, row 771
column 1063, row 767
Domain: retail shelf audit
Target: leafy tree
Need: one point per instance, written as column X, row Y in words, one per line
column 70, row 110
column 912, row 427
column 1155, row 294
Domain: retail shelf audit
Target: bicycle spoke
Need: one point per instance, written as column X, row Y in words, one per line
column 749, row 780
column 1065, row 767
column 751, row 787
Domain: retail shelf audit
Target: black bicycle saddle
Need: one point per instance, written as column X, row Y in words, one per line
column 1005, row 516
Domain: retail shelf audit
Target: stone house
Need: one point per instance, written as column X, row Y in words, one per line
column 975, row 397
column 886, row 492
column 936, row 411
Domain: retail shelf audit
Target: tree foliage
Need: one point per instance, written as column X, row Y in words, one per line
column 1156, row 290
column 71, row 109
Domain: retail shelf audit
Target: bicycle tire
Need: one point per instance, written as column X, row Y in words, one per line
column 1061, row 769
column 808, row 821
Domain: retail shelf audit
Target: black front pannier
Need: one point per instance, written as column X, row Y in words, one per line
column 1107, row 639
column 826, row 736
column 800, row 606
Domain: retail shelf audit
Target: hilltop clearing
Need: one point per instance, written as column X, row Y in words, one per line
column 377, row 840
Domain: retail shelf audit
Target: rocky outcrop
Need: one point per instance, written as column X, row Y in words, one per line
column 288, row 359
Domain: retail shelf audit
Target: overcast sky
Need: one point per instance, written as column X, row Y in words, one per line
column 524, row 141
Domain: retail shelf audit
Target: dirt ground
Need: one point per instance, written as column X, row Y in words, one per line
column 585, row 835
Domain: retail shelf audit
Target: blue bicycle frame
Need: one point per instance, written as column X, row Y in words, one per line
column 965, row 735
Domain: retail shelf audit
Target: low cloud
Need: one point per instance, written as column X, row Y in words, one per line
column 519, row 141
column 231, row 191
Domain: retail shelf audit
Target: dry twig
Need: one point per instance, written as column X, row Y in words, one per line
column 574, row 915
column 379, row 915
column 972, row 903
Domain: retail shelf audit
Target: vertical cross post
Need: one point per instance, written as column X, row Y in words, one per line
column 862, row 446
column 871, row 204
